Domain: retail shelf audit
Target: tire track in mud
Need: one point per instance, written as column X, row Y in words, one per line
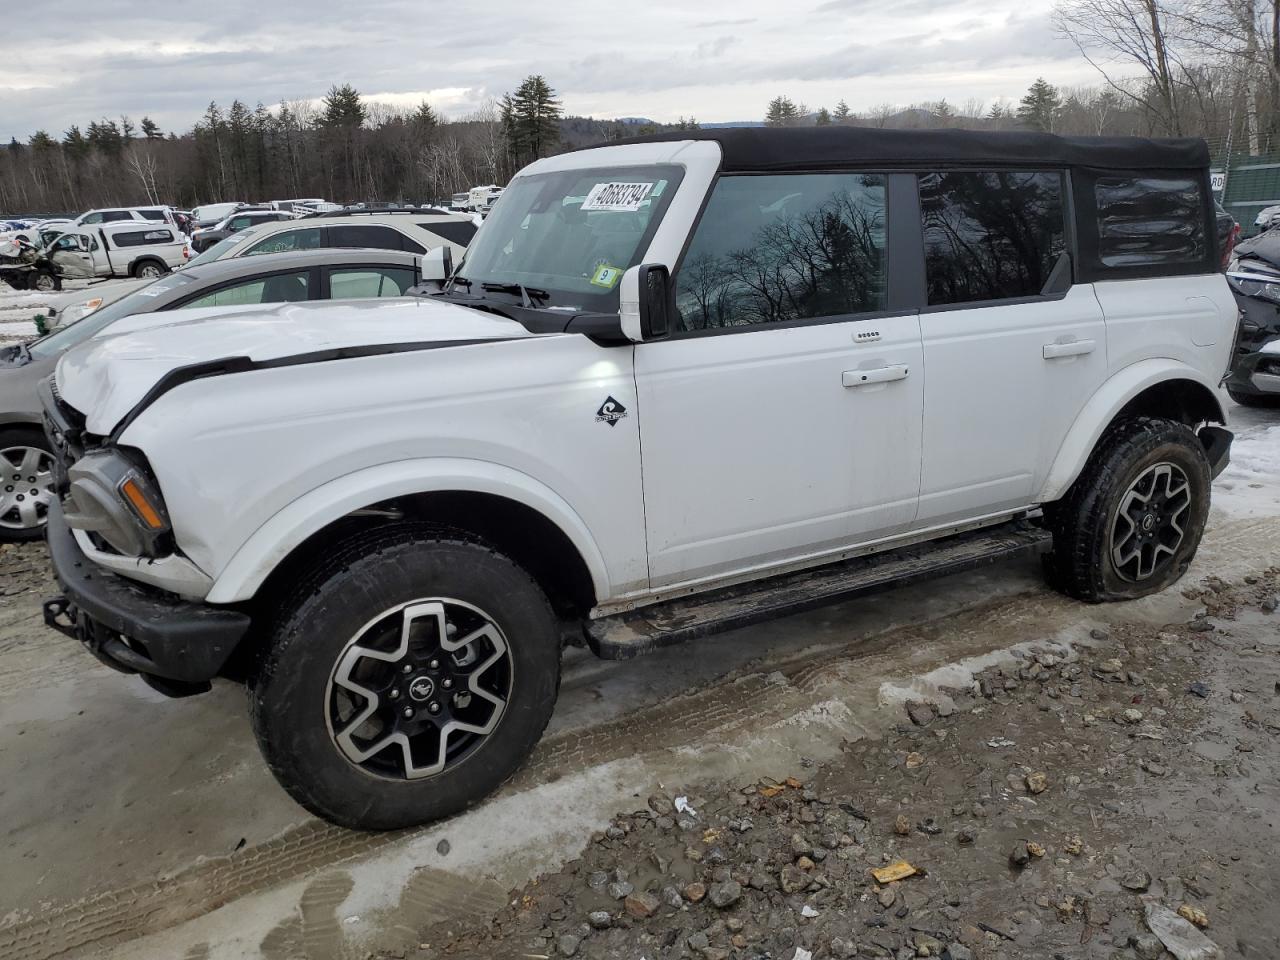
column 734, row 705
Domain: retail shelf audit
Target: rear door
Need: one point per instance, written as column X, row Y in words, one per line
column 781, row 420
column 1012, row 348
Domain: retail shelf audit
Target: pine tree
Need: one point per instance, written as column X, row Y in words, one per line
column 824, row 117
column 782, row 112
column 1039, row 108
column 77, row 146
column 342, row 107
column 531, row 119
column 150, row 130
column 841, row 112
column 127, row 129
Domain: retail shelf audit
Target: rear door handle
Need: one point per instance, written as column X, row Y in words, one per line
column 863, row 378
column 1076, row 348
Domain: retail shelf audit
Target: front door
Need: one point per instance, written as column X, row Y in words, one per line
column 1013, row 350
column 72, row 258
column 781, row 421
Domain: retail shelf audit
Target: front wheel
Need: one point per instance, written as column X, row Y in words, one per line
column 26, row 483
column 408, row 679
column 1130, row 524
column 45, row 281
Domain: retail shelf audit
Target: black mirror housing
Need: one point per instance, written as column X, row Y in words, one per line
column 657, row 301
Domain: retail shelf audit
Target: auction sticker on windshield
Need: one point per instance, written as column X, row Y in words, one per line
column 617, row 196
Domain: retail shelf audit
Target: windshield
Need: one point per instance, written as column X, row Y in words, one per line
column 570, row 234
column 141, row 300
column 222, row 248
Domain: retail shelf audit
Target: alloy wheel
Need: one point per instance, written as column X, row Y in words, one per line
column 419, row 688
column 26, row 487
column 1150, row 522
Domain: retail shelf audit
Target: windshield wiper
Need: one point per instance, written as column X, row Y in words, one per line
column 527, row 294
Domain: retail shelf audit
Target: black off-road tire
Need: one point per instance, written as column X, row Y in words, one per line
column 376, row 572
column 1253, row 399
column 1081, row 564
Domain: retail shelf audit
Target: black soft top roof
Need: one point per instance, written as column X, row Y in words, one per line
column 828, row 147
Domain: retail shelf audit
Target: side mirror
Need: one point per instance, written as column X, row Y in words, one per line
column 436, row 264
column 646, row 302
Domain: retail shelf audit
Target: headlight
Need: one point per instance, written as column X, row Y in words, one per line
column 112, row 495
column 78, row 311
column 1251, row 286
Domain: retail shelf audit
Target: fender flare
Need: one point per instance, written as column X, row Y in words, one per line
column 1101, row 409
column 254, row 560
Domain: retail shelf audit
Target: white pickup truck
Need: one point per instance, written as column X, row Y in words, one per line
column 129, row 248
column 675, row 386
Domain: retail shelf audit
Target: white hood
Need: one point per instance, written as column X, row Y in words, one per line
column 105, row 378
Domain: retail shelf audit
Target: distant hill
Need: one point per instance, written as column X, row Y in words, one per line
column 732, row 123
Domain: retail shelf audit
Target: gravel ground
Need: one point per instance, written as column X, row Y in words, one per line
column 1047, row 810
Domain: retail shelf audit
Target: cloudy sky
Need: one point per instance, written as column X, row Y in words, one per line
column 714, row 59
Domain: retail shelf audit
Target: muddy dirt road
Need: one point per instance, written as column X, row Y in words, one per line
column 141, row 827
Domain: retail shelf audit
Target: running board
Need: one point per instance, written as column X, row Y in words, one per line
column 625, row 635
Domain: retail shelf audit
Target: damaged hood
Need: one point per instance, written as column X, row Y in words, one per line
column 107, row 377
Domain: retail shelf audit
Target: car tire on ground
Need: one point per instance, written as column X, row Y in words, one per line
column 149, row 270
column 1253, row 399
column 1130, row 524
column 410, row 633
column 45, row 281
column 25, row 466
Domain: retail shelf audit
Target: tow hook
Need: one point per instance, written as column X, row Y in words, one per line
column 55, row 610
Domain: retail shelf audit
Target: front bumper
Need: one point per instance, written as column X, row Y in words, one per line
column 177, row 645
column 1255, row 366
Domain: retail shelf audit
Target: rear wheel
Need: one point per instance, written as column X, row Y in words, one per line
column 26, row 483
column 407, row 680
column 1130, row 524
column 149, row 270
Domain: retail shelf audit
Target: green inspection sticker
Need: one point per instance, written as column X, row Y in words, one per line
column 606, row 276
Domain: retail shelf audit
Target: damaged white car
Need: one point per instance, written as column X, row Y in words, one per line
column 676, row 386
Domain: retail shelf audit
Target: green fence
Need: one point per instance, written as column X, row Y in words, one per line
column 1245, row 185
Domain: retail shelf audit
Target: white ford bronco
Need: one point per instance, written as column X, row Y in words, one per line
column 675, row 386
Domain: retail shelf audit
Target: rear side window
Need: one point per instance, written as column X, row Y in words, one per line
column 775, row 248
column 990, row 235
column 152, row 214
column 370, row 235
column 459, row 232
column 111, row 216
column 141, row 238
column 1149, row 221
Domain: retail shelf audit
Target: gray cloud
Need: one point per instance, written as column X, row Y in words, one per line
column 143, row 57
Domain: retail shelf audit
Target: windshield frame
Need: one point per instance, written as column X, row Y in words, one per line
column 504, row 217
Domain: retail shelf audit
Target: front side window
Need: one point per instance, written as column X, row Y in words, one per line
column 568, row 236
column 286, row 241
column 990, row 235
column 239, row 223
column 1145, row 221
column 281, row 288
column 92, row 218
column 769, row 249
column 358, row 283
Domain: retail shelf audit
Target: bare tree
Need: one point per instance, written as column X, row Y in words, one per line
column 1131, row 33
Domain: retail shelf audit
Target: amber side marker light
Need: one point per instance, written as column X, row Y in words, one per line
column 142, row 506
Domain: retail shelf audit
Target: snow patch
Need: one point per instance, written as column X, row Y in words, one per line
column 1250, row 486
column 931, row 686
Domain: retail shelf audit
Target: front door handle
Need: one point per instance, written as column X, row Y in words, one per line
column 863, row 378
column 1075, row 348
